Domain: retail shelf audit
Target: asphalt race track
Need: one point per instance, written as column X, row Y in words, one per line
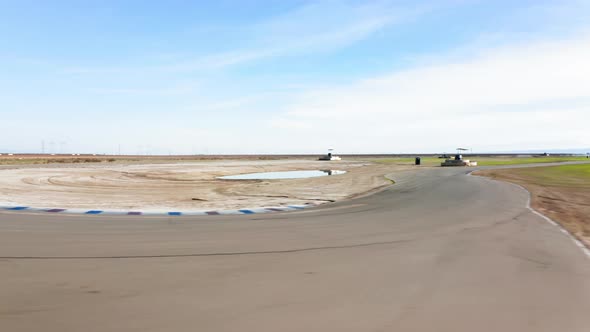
column 438, row 251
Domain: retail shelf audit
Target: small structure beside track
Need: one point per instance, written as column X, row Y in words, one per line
column 458, row 161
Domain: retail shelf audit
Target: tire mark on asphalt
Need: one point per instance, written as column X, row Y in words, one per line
column 238, row 253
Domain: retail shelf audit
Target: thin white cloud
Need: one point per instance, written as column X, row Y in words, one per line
column 318, row 27
column 282, row 123
column 230, row 104
column 463, row 103
column 178, row 89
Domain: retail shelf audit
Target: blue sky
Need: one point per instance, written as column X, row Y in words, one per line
column 293, row 76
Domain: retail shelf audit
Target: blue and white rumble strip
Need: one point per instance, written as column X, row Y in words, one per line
column 160, row 213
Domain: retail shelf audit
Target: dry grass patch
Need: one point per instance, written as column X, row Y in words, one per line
column 559, row 192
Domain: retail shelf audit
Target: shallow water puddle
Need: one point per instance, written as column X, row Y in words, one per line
column 282, row 175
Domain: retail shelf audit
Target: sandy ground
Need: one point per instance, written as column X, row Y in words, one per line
column 565, row 204
column 184, row 186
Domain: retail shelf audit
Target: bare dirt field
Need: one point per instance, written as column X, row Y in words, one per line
column 559, row 192
column 166, row 185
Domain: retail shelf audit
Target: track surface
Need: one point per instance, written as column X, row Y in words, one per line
column 439, row 251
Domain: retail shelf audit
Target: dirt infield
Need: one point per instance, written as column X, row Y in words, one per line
column 183, row 185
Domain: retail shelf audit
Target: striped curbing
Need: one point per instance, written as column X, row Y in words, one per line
column 245, row 211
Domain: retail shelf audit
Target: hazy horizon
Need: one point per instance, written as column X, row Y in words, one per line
column 318, row 152
column 294, row 77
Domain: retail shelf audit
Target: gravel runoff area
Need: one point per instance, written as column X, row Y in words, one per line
column 184, row 186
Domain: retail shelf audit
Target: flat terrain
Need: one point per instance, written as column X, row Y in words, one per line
column 483, row 160
column 190, row 183
column 184, row 186
column 499, row 161
column 427, row 160
column 559, row 192
column 438, row 251
column 44, row 159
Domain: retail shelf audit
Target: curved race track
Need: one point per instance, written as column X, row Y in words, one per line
column 439, row 251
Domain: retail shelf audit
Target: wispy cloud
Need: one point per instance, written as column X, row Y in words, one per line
column 175, row 89
column 283, row 123
column 462, row 102
column 313, row 28
column 231, row 104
